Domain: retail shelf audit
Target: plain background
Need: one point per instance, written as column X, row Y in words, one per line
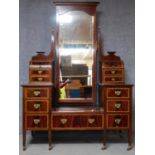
column 145, row 75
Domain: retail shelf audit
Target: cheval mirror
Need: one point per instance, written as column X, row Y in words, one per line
column 76, row 53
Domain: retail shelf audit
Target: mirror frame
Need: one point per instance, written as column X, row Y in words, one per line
column 62, row 8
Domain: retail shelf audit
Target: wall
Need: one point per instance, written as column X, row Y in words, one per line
column 37, row 17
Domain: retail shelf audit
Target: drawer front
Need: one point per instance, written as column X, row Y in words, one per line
column 113, row 79
column 112, row 65
column 36, row 106
column 37, row 92
column 78, row 121
column 117, row 105
column 36, row 122
column 40, row 79
column 118, row 92
column 117, row 121
column 113, row 72
column 40, row 71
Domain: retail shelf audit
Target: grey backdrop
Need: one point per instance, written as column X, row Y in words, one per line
column 37, row 18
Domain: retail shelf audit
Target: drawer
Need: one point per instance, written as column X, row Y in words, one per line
column 117, row 121
column 36, row 92
column 36, row 106
column 40, row 79
column 36, row 122
column 78, row 121
column 118, row 92
column 112, row 65
column 40, row 71
column 113, row 79
column 117, row 105
column 113, row 72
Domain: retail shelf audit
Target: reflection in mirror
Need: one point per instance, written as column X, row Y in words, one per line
column 75, row 54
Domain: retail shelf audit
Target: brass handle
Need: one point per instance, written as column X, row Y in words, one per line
column 118, row 92
column 118, row 121
column 36, row 121
column 63, row 120
column 40, row 71
column 91, row 120
column 112, row 79
column 40, row 79
column 36, row 92
column 113, row 72
column 118, row 105
column 36, row 106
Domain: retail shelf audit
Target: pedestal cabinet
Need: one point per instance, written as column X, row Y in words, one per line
column 37, row 103
column 117, row 102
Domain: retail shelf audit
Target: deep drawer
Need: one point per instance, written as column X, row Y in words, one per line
column 36, row 122
column 36, row 92
column 117, row 105
column 78, row 121
column 36, row 106
column 117, row 121
column 118, row 92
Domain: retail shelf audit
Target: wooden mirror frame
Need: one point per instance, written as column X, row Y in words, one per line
column 89, row 8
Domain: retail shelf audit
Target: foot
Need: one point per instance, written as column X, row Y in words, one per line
column 104, row 147
column 129, row 147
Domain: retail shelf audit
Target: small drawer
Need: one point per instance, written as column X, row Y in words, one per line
column 40, row 79
column 113, row 71
column 114, row 79
column 40, row 71
column 117, row 105
column 117, row 121
column 36, row 106
column 118, row 93
column 36, row 92
column 36, row 122
column 112, row 65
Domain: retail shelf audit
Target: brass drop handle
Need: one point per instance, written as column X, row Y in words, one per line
column 40, row 71
column 36, row 121
column 113, row 72
column 112, row 79
column 117, row 105
column 118, row 121
column 63, row 120
column 118, row 92
column 36, row 106
column 40, row 79
column 36, row 92
column 91, row 120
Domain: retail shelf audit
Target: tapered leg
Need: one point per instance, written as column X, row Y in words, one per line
column 129, row 140
column 104, row 140
column 50, row 139
column 24, row 140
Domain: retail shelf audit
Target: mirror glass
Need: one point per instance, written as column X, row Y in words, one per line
column 76, row 55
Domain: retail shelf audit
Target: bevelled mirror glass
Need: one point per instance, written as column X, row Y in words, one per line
column 76, row 55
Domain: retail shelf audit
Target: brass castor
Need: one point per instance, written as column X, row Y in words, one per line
column 24, row 148
column 129, row 147
column 50, row 147
column 104, row 147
